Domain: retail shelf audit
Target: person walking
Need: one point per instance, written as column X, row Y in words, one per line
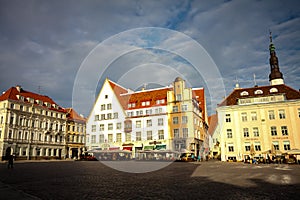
column 10, row 162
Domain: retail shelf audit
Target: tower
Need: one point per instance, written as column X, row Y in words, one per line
column 275, row 77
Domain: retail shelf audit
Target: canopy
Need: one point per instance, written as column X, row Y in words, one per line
column 293, row 152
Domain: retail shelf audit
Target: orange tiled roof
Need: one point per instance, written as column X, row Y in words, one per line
column 232, row 99
column 11, row 94
column 73, row 115
column 212, row 123
column 198, row 94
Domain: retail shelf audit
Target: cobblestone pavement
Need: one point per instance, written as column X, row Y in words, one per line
column 93, row 180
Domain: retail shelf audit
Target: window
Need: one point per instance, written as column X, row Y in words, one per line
column 119, row 137
column 184, row 108
column 255, row 132
column 106, row 96
column 148, row 112
column 102, row 116
column 258, row 92
column 103, row 107
column 227, row 118
column 246, row 132
column 110, row 126
column 138, row 124
column 284, row 130
column 230, row 148
column 161, row 135
column 281, row 114
column 257, row 146
column 119, row 125
column 244, row 117
column 160, row 121
column 299, row 112
column 244, row 93
column 247, row 146
column 93, row 139
column 286, row 145
column 149, row 122
column 96, row 117
column 176, row 133
column 109, row 106
column 127, row 137
column 149, row 135
column 93, row 128
column 229, row 133
column 253, row 116
column 184, row 119
column 116, row 115
column 138, row 136
column 185, row 132
column 178, row 97
column 273, row 131
column 101, row 138
column 175, row 108
column 175, row 120
column 101, row 127
column 276, row 145
column 271, row 114
column 109, row 116
column 110, row 137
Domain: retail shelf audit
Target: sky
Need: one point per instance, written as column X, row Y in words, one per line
column 66, row 48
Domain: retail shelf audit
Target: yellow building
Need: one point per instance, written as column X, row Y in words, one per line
column 187, row 119
column 260, row 120
column 76, row 134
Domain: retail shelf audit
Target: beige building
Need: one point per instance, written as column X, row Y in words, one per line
column 32, row 126
column 187, row 119
column 75, row 134
column 259, row 120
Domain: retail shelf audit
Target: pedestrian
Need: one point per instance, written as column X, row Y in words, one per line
column 10, row 162
column 199, row 158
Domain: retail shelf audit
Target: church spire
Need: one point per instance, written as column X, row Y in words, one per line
column 275, row 77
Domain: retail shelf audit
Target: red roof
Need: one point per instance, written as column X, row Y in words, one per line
column 11, row 94
column 198, row 94
column 212, row 123
column 151, row 95
column 73, row 115
column 232, row 99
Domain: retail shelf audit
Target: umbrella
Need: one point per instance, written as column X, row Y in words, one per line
column 293, row 152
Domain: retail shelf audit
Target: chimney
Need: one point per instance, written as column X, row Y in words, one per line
column 18, row 87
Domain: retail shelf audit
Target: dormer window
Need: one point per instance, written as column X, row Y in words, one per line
column 258, row 92
column 273, row 90
column 244, row 93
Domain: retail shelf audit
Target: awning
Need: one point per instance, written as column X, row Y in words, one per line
column 160, row 146
column 127, row 148
column 148, row 147
column 114, row 148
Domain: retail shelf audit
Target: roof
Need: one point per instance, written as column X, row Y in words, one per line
column 74, row 116
column 260, row 91
column 198, row 94
column 212, row 123
column 126, row 97
column 14, row 94
column 146, row 95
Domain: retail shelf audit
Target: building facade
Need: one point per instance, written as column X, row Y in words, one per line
column 147, row 119
column 261, row 120
column 75, row 134
column 32, row 126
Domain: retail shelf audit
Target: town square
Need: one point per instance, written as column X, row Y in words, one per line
column 179, row 180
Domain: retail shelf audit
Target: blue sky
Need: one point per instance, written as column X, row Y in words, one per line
column 43, row 44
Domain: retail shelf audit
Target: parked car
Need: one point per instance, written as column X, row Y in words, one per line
column 188, row 157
